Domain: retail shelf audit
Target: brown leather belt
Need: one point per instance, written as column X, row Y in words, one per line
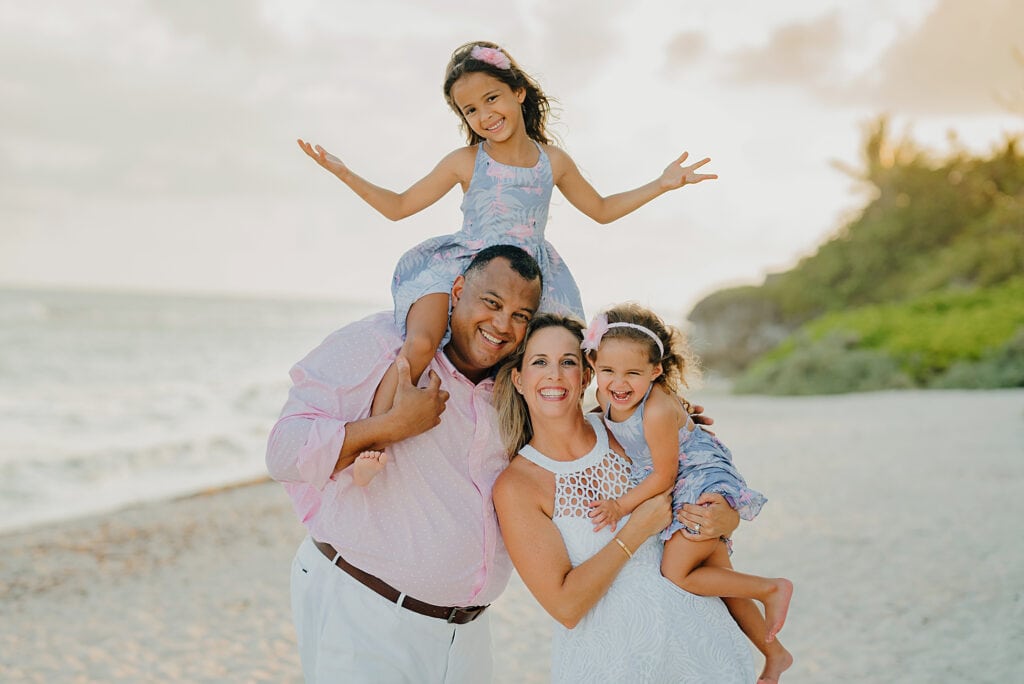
column 455, row 615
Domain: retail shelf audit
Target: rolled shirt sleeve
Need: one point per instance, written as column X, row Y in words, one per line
column 333, row 385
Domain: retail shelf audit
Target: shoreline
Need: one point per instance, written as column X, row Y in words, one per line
column 712, row 392
column 894, row 514
column 193, row 588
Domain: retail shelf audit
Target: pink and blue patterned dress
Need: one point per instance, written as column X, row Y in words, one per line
column 504, row 205
column 705, row 465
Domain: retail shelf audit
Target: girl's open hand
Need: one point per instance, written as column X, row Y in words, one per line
column 676, row 175
column 324, row 158
column 605, row 512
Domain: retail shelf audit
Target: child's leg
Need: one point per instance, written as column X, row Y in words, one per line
column 716, row 579
column 424, row 329
column 367, row 465
column 748, row 616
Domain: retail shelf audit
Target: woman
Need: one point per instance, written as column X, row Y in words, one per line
column 622, row 621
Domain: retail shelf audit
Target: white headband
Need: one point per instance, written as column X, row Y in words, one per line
column 600, row 325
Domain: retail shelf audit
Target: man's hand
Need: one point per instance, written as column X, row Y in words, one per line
column 696, row 412
column 415, row 409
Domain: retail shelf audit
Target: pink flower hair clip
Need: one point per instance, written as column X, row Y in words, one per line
column 594, row 332
column 493, row 56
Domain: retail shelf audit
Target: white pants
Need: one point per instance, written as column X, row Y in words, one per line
column 349, row 633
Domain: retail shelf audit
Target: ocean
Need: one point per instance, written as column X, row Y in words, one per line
column 107, row 399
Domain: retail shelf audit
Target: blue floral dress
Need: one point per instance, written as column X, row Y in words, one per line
column 504, row 205
column 705, row 465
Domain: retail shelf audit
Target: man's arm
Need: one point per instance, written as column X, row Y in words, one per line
column 325, row 423
column 414, row 411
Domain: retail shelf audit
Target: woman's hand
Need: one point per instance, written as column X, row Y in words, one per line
column 676, row 175
column 651, row 516
column 324, row 159
column 604, row 513
column 712, row 517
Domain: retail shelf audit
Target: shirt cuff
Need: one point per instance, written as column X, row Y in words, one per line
column 319, row 455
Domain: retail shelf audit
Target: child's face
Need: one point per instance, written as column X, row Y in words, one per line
column 624, row 372
column 491, row 108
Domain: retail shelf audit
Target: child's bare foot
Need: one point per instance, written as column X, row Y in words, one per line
column 776, row 661
column 367, row 465
column 776, row 605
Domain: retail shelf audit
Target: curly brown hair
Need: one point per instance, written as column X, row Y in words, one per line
column 679, row 364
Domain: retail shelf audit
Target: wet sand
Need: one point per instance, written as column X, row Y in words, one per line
column 896, row 514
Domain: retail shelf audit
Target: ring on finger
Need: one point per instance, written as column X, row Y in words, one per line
column 697, row 528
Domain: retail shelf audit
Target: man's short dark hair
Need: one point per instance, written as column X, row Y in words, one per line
column 520, row 260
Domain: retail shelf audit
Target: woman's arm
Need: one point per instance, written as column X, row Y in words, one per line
column 582, row 195
column 539, row 555
column 395, row 205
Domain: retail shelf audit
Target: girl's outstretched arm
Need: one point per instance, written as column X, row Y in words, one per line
column 397, row 205
column 582, row 195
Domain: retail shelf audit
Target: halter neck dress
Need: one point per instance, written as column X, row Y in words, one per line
column 503, row 205
column 644, row 629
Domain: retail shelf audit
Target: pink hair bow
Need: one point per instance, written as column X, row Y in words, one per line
column 492, row 56
column 594, row 332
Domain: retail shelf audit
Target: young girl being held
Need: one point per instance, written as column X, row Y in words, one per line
column 640, row 363
column 507, row 172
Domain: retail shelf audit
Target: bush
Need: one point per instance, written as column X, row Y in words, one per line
column 828, row 365
column 1004, row 367
column 929, row 334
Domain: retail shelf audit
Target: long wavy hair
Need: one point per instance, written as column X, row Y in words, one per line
column 536, row 107
column 513, row 415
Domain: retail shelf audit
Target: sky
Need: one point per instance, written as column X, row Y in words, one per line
column 150, row 144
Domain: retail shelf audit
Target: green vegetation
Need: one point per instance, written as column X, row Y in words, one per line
column 923, row 288
column 971, row 338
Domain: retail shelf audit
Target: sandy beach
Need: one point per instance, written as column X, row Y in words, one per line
column 897, row 515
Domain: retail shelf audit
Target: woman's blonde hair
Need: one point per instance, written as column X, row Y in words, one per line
column 513, row 416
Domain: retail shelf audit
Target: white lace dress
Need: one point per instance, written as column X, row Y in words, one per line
column 645, row 629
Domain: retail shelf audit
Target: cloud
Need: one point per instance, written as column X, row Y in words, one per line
column 959, row 61
column 799, row 53
column 578, row 37
column 152, row 99
column 685, row 48
column 234, row 24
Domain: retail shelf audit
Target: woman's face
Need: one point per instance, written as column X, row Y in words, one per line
column 553, row 375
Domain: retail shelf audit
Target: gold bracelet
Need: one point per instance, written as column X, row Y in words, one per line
column 625, row 549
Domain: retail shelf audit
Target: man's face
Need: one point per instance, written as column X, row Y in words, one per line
column 490, row 310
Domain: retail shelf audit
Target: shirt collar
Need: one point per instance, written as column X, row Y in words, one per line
column 449, row 367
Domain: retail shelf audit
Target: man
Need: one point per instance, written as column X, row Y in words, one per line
column 425, row 525
column 393, row 584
